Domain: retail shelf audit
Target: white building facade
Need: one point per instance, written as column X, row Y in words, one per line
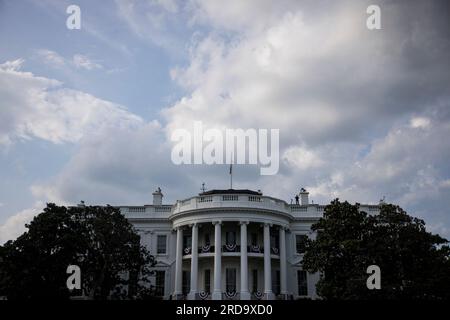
column 229, row 244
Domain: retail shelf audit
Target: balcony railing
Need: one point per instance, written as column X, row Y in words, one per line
column 230, row 248
column 246, row 201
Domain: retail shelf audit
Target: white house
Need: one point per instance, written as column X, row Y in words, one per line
column 229, row 244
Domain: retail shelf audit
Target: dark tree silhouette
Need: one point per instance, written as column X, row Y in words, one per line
column 100, row 240
column 414, row 263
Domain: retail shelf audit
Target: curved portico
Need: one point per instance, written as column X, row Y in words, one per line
column 235, row 211
column 230, row 244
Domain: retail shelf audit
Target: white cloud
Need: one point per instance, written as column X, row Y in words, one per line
column 317, row 77
column 420, row 122
column 361, row 115
column 117, row 166
column 82, row 61
column 14, row 226
column 14, row 65
column 52, row 58
column 236, row 15
column 338, row 93
column 302, row 158
column 445, row 183
column 158, row 21
column 79, row 61
column 37, row 107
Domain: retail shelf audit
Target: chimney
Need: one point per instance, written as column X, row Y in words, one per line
column 157, row 197
column 304, row 197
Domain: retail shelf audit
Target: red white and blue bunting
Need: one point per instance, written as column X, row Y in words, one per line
column 230, row 247
column 230, row 294
column 203, row 295
column 258, row 295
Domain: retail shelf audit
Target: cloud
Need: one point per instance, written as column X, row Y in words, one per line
column 409, row 163
column 293, row 74
column 83, row 62
column 78, row 61
column 362, row 114
column 161, row 23
column 119, row 166
column 420, row 122
column 14, row 226
column 38, row 107
column 52, row 58
column 238, row 16
column 302, row 158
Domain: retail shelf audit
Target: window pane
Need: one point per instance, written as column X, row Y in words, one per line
column 300, row 241
column 302, row 283
column 208, row 280
column 187, row 241
column 255, row 281
column 276, row 281
column 275, row 240
column 186, row 282
column 230, row 237
column 161, row 244
column 159, row 283
column 231, row 280
column 254, row 239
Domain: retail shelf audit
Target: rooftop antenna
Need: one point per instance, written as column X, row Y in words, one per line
column 203, row 187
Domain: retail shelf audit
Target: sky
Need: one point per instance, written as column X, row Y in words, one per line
column 88, row 114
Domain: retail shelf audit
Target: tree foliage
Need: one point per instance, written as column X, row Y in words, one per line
column 414, row 263
column 100, row 240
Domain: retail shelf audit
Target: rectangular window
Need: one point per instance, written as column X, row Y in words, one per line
column 230, row 237
column 187, row 241
column 207, row 280
column 302, row 283
column 231, row 280
column 186, row 282
column 207, row 239
column 274, row 240
column 161, row 244
column 254, row 280
column 159, row 282
column 254, row 239
column 276, row 281
column 300, row 243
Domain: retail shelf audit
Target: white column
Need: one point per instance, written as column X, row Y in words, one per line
column 194, row 262
column 179, row 265
column 283, row 282
column 217, row 293
column 267, row 266
column 244, row 294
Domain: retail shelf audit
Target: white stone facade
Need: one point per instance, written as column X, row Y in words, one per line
column 183, row 238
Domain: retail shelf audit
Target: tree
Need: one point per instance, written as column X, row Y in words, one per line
column 414, row 263
column 100, row 240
